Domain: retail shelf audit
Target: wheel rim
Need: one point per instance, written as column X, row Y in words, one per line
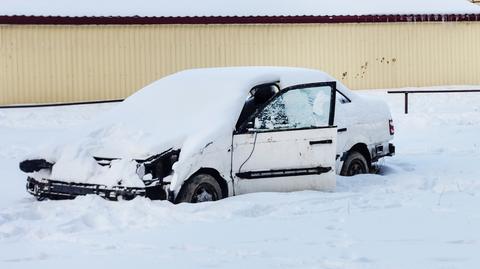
column 204, row 193
column 356, row 167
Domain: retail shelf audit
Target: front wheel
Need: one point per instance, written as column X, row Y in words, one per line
column 354, row 164
column 200, row 188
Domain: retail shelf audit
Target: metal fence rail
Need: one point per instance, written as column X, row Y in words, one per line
column 406, row 93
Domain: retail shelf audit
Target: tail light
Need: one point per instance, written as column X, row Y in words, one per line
column 391, row 127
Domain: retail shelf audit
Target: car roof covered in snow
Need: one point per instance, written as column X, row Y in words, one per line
column 163, row 8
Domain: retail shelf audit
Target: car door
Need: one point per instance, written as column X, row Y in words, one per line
column 289, row 144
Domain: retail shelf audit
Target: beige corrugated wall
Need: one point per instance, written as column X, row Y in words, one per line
column 47, row 63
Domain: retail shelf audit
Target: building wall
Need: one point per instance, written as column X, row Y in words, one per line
column 54, row 63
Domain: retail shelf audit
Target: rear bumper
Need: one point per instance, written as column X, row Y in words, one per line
column 383, row 151
column 391, row 149
column 53, row 189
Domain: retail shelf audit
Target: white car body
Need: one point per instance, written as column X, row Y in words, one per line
column 194, row 114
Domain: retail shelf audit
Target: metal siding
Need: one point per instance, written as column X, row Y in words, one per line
column 49, row 63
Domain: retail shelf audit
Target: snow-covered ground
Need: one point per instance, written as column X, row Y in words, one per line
column 422, row 211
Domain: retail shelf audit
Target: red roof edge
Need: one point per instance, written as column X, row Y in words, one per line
column 137, row 20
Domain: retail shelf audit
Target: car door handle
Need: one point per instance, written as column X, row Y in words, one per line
column 341, row 130
column 321, row 142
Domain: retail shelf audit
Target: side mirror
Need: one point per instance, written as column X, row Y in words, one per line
column 249, row 126
column 246, row 127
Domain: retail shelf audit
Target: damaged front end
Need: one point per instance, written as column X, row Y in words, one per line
column 155, row 173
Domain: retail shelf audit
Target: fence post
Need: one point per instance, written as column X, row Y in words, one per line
column 406, row 102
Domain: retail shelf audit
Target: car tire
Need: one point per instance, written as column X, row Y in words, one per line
column 200, row 188
column 355, row 164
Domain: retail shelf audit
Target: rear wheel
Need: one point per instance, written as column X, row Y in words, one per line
column 200, row 188
column 354, row 164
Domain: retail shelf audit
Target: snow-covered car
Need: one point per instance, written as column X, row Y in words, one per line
column 206, row 134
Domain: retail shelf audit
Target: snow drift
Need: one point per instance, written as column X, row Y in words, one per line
column 422, row 212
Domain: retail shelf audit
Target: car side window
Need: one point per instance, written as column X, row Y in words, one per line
column 295, row 109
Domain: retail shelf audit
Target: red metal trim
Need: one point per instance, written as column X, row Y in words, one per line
column 137, row 20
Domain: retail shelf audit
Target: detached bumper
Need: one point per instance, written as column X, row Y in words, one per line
column 55, row 190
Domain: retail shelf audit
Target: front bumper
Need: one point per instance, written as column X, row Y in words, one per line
column 55, row 190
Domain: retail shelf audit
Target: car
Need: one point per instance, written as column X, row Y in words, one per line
column 206, row 134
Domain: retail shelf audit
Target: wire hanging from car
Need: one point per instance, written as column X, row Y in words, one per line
column 251, row 153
